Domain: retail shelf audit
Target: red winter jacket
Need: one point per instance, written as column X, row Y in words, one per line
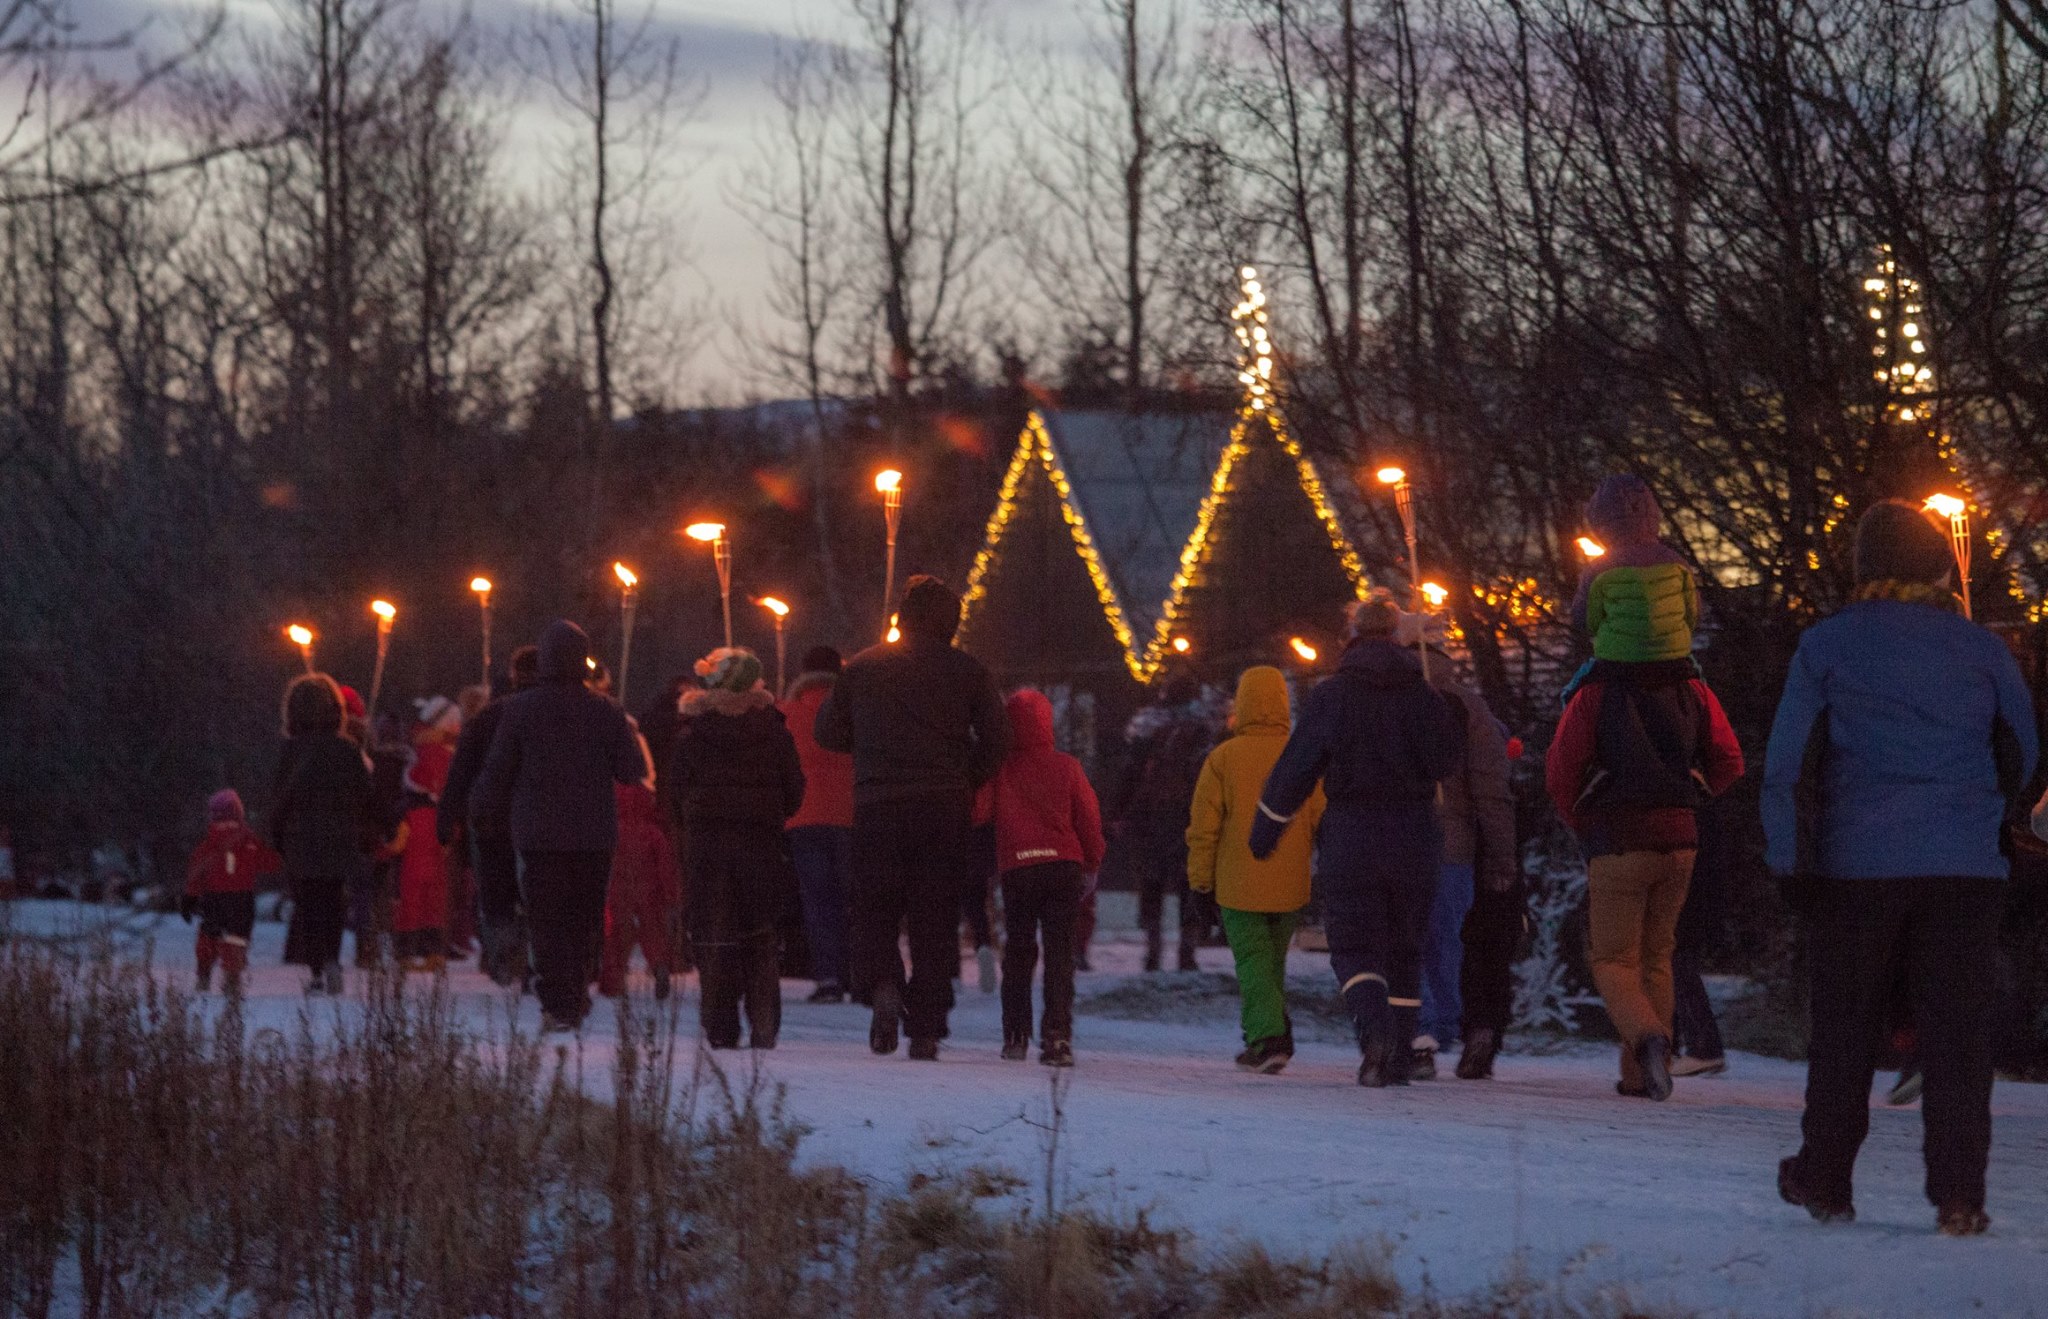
column 646, row 881
column 1045, row 810
column 828, row 775
column 1640, row 747
column 229, row 860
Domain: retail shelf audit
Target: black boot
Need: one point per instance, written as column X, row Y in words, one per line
column 1653, row 1055
column 1475, row 1060
column 883, row 1032
column 1155, row 947
column 1794, row 1190
column 1380, row 1063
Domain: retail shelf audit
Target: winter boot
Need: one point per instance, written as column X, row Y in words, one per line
column 1016, row 1048
column 923, row 1050
column 1907, row 1088
column 1421, row 1063
column 1268, row 1057
column 1653, row 1056
column 888, row 1019
column 234, row 962
column 828, row 991
column 1683, row 1067
column 1187, row 951
column 664, row 984
column 1287, row 1035
column 1154, row 948
column 1475, row 1060
column 1372, row 1018
column 1963, row 1221
column 985, row 968
column 207, row 951
column 1793, row 1189
column 1057, row 1053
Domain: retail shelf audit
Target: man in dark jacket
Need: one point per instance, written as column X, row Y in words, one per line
column 558, row 750
column 734, row 782
column 492, row 856
column 1379, row 739
column 1167, row 744
column 926, row 729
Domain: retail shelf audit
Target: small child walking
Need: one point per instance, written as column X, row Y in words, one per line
column 1048, row 846
column 644, row 896
column 1260, row 900
column 419, row 935
column 220, row 889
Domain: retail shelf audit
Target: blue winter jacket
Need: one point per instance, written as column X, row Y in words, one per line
column 1903, row 730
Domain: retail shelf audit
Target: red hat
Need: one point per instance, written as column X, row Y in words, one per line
column 352, row 704
column 225, row 806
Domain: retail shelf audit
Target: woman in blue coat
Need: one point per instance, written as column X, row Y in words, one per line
column 1903, row 732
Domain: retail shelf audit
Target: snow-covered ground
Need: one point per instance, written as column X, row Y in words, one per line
column 1545, row 1166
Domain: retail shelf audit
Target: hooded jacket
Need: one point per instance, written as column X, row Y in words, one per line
column 1374, row 734
column 1902, row 732
column 1477, row 807
column 735, row 762
column 229, row 859
column 324, row 820
column 1227, row 802
column 1639, row 601
column 558, row 749
column 918, row 716
column 828, row 775
column 645, row 876
column 1044, row 807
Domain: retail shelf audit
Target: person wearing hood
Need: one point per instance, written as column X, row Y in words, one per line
column 734, row 782
column 1048, row 844
column 1166, row 743
column 323, row 823
column 821, row 832
column 557, row 750
column 646, row 892
column 1638, row 601
column 493, row 858
column 220, row 888
column 925, row 727
column 1379, row 739
column 1260, row 899
column 419, row 934
column 1904, row 733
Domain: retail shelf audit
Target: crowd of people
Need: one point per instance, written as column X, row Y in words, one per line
column 892, row 797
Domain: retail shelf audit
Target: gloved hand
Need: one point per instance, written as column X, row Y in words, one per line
column 1801, row 893
column 1266, row 833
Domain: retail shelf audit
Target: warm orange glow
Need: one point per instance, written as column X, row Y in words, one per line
column 481, row 585
column 889, row 482
column 1307, row 652
column 1435, row 594
column 626, row 576
column 384, row 609
column 707, row 532
column 300, row 634
column 1391, row 476
column 1591, row 548
column 1947, row 506
column 774, row 606
column 895, row 633
column 1180, row 645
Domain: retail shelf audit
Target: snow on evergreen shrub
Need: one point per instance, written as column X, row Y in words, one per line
column 1546, row 988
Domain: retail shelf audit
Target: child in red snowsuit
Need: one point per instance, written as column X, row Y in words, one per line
column 646, row 891
column 419, row 917
column 220, row 888
column 1048, row 841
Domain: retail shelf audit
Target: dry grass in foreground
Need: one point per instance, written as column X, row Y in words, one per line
column 156, row 1160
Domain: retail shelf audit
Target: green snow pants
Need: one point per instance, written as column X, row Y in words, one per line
column 1258, row 943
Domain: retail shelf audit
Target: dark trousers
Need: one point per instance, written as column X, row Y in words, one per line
column 496, row 864
column 823, row 856
column 1946, row 930
column 1492, row 935
column 564, row 894
column 227, row 915
column 1377, row 873
column 1040, row 898
column 1159, row 847
column 974, row 891
column 319, row 915
column 909, row 858
column 738, row 872
column 1694, row 1031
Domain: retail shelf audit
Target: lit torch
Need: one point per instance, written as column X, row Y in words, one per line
column 1303, row 649
column 1404, row 501
column 482, row 587
column 627, row 604
column 889, row 484
column 387, row 614
column 713, row 534
column 1958, row 514
column 779, row 611
column 302, row 636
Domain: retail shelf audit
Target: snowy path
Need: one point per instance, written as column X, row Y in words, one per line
column 1675, row 1203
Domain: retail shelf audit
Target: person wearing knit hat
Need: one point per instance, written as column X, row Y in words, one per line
column 220, row 889
column 1638, row 600
column 820, row 834
column 733, row 783
column 1903, row 734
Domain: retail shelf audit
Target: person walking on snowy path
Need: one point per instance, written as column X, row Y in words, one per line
column 323, row 823
column 558, row 749
column 489, row 834
column 1167, row 743
column 821, row 832
column 220, row 889
column 734, row 782
column 1380, row 740
column 1260, row 900
column 925, row 726
column 1902, row 735
column 1477, row 809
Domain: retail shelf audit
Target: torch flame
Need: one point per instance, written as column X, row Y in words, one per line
column 625, row 575
column 1302, row 648
column 1435, row 594
column 1181, row 645
column 895, row 633
column 300, row 634
column 384, row 609
column 1391, row 475
column 705, row 531
column 775, row 606
column 481, row 585
column 1591, row 548
column 889, row 482
column 1946, row 505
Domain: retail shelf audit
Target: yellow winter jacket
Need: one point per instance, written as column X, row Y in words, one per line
column 1227, row 799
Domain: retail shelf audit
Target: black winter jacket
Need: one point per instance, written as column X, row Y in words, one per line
column 470, row 752
column 1374, row 734
column 735, row 762
column 324, row 819
column 558, row 749
column 918, row 716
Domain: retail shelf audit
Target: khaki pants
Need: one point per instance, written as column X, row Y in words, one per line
column 1635, row 901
